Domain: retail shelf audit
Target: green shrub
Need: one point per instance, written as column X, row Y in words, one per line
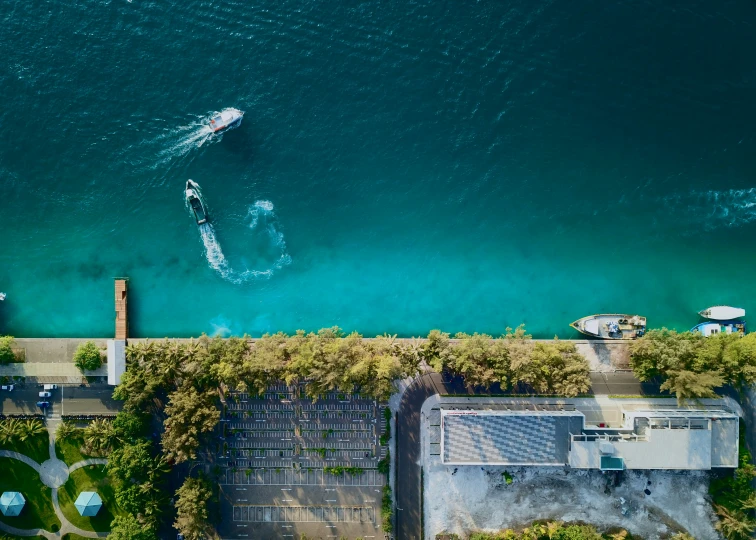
column 387, row 510
column 383, row 464
column 87, row 356
column 6, row 353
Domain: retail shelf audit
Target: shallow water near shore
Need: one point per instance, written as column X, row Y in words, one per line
column 400, row 166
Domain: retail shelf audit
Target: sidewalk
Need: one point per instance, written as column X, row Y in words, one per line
column 52, row 350
column 50, row 370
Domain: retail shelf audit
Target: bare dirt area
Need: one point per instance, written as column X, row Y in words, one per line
column 475, row 498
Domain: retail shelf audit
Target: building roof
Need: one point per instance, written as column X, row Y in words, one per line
column 11, row 503
column 116, row 360
column 508, row 437
column 662, row 439
column 88, row 503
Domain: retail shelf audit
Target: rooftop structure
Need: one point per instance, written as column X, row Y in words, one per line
column 661, row 439
column 675, row 439
column 11, row 503
column 88, row 503
column 116, row 360
column 508, row 437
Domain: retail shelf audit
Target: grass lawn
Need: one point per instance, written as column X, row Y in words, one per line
column 36, row 447
column 38, row 511
column 69, row 450
column 92, row 478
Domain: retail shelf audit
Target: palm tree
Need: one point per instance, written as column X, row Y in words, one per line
column 158, row 467
column 99, row 436
column 8, row 430
column 30, row 428
column 65, row 431
column 734, row 525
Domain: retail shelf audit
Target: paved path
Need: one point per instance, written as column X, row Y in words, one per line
column 20, row 457
column 57, row 371
column 87, row 463
column 53, row 473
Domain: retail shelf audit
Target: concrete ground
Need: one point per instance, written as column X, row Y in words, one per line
column 459, row 499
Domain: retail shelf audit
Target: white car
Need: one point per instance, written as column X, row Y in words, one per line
column 45, row 394
column 50, row 387
column 8, row 387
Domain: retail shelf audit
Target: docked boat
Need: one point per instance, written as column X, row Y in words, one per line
column 195, row 202
column 709, row 328
column 722, row 313
column 226, row 119
column 611, row 326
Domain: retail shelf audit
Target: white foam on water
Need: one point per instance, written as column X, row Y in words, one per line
column 261, row 210
column 715, row 209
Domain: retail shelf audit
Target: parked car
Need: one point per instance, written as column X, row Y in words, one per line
column 8, row 387
column 50, row 387
column 43, row 404
column 45, row 394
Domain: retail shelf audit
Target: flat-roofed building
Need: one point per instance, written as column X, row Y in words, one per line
column 508, row 437
column 660, row 439
column 674, row 439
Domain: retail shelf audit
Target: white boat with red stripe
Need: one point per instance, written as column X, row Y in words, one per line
column 226, row 119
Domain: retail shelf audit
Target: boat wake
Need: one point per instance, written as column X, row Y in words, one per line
column 179, row 142
column 261, row 216
column 715, row 209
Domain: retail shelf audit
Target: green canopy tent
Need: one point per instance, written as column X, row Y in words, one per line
column 88, row 503
column 11, row 503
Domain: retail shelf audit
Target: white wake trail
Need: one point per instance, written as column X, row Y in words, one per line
column 260, row 212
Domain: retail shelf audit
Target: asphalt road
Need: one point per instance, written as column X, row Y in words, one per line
column 94, row 399
column 408, row 496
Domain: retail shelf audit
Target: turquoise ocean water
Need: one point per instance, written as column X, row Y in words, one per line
column 401, row 165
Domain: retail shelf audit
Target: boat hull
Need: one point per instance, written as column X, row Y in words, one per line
column 611, row 326
column 195, row 203
column 710, row 328
column 722, row 313
column 226, row 119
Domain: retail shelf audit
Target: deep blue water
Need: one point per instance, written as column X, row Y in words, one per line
column 406, row 165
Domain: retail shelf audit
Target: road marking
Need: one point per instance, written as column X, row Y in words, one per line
column 285, row 489
column 241, row 489
column 330, row 500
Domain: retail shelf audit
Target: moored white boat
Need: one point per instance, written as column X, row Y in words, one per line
column 709, row 328
column 611, row 326
column 722, row 313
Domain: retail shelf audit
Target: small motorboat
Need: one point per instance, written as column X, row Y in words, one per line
column 2, row 296
column 193, row 198
column 709, row 328
column 722, row 313
column 226, row 119
column 611, row 326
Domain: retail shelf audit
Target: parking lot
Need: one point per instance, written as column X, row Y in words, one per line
column 293, row 466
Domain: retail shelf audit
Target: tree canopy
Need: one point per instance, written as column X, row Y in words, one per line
column 191, row 508
column 87, row 356
column 513, row 360
column 6, row 352
column 693, row 365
